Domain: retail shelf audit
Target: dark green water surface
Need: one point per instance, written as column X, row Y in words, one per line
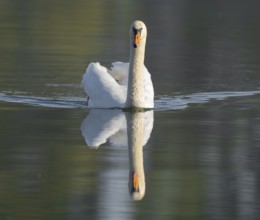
column 201, row 154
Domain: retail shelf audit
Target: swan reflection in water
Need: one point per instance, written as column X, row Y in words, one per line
column 122, row 129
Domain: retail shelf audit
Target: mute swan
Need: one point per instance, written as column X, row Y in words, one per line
column 121, row 129
column 135, row 130
column 109, row 126
column 125, row 85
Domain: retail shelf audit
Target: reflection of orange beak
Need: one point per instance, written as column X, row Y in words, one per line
column 135, row 182
column 137, row 39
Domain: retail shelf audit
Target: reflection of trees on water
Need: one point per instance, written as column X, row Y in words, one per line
column 232, row 155
column 204, row 162
column 207, row 159
column 212, row 165
column 218, row 41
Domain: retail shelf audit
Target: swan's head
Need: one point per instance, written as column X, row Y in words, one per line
column 138, row 34
column 136, row 186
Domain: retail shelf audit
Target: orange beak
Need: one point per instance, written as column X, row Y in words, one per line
column 135, row 182
column 137, row 39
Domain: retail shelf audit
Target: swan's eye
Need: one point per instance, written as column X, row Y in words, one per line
column 135, row 30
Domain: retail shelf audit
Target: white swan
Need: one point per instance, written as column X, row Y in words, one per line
column 135, row 131
column 109, row 127
column 125, row 85
column 121, row 129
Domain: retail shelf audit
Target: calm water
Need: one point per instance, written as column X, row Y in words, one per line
column 201, row 154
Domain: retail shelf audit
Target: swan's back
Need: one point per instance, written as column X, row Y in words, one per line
column 108, row 88
column 125, row 85
column 102, row 89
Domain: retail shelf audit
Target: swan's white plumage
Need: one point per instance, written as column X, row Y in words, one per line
column 110, row 126
column 125, row 85
column 107, row 88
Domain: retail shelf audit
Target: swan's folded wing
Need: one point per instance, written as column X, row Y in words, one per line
column 102, row 88
column 119, row 71
column 148, row 89
column 100, row 125
column 148, row 126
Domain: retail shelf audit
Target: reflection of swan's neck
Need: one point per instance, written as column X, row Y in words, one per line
column 135, row 130
column 135, row 94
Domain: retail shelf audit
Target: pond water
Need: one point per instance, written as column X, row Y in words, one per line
column 198, row 155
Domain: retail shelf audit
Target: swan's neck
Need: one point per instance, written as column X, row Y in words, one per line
column 135, row 130
column 135, row 92
column 135, row 141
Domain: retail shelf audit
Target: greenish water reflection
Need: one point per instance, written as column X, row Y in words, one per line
column 202, row 159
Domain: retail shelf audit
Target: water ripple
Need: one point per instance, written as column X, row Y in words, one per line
column 61, row 102
column 182, row 101
column 161, row 103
